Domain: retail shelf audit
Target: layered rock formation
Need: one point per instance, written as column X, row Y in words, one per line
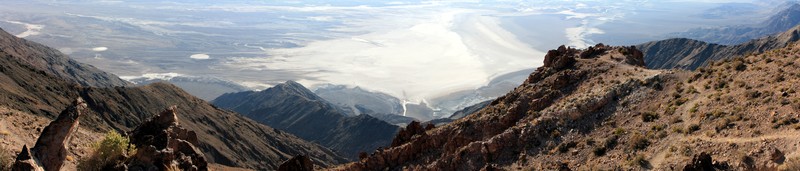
column 50, row 150
column 295, row 109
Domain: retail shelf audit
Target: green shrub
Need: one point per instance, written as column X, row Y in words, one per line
column 107, row 152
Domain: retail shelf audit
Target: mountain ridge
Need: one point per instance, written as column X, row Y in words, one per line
column 690, row 54
column 293, row 108
column 54, row 62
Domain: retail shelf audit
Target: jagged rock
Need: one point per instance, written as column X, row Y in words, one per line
column 777, row 156
column 297, row 163
column 633, row 56
column 593, row 52
column 560, row 58
column 413, row 128
column 163, row 142
column 25, row 161
column 51, row 148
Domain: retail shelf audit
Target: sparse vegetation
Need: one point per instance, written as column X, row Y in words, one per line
column 640, row 161
column 649, row 116
column 113, row 147
column 692, row 128
column 639, row 142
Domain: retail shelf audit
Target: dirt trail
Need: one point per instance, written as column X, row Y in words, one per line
column 659, row 157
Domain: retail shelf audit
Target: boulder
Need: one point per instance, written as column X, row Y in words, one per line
column 297, row 163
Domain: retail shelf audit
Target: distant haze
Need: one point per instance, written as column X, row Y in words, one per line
column 414, row 50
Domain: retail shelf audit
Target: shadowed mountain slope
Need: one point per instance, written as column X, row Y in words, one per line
column 55, row 63
column 691, row 54
column 297, row 110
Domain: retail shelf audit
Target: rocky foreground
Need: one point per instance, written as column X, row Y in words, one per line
column 601, row 109
column 162, row 145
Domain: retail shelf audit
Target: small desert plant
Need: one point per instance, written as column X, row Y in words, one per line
column 640, row 161
column 691, row 128
column 649, row 116
column 639, row 142
column 112, row 148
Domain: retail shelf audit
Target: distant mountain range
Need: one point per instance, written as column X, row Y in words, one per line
column 295, row 109
column 691, row 54
column 788, row 17
column 37, row 82
column 206, row 88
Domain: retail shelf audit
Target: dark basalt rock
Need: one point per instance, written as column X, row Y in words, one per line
column 297, row 163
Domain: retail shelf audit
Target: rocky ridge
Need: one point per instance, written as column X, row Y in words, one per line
column 604, row 111
column 55, row 63
column 691, row 54
column 293, row 108
column 787, row 17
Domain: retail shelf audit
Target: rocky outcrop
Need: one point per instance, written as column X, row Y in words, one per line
column 51, row 148
column 162, row 142
column 560, row 58
column 297, row 163
column 414, row 128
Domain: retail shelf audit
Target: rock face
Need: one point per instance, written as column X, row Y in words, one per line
column 295, row 109
column 55, row 63
column 690, row 54
column 51, row 148
column 297, row 163
column 162, row 142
